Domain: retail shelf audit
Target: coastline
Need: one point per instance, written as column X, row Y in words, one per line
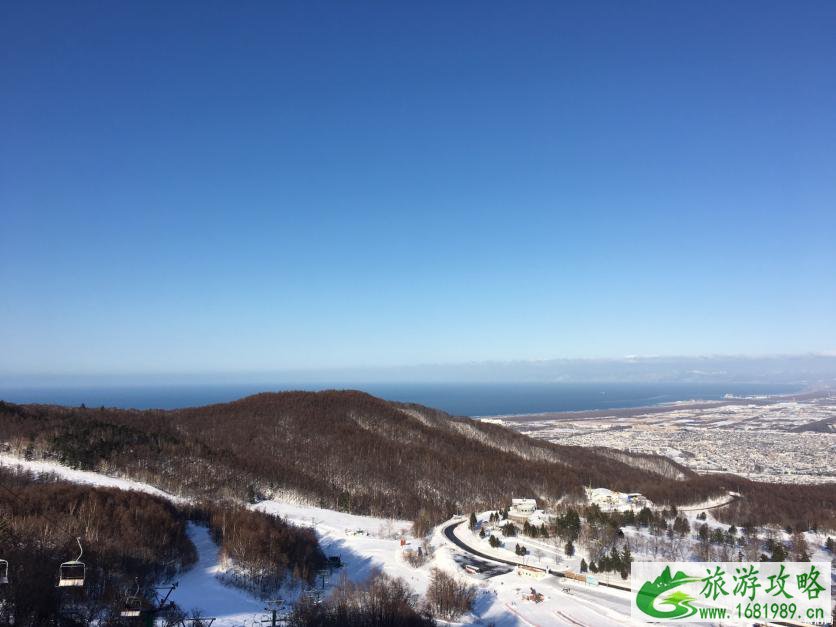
column 512, row 401
column 660, row 408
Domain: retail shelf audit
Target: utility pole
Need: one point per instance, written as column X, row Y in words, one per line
column 274, row 607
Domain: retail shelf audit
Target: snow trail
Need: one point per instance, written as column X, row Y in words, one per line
column 85, row 477
column 377, row 547
column 199, row 587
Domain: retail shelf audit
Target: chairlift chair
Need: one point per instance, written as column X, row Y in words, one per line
column 71, row 574
column 132, row 608
column 133, row 605
column 4, row 572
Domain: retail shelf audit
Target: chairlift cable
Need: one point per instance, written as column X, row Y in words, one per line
column 59, row 527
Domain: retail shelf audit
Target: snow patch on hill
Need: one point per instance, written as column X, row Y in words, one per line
column 333, row 521
column 41, row 467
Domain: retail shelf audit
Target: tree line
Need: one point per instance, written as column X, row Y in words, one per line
column 131, row 541
column 352, row 452
column 127, row 537
column 267, row 549
column 384, row 601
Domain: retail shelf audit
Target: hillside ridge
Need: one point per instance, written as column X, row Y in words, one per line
column 350, row 451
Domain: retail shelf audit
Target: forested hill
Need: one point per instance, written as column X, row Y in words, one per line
column 350, row 451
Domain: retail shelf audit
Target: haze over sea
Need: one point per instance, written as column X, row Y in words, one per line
column 468, row 399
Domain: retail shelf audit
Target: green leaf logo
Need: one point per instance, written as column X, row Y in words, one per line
column 651, row 601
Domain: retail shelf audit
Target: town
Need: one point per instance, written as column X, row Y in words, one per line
column 784, row 441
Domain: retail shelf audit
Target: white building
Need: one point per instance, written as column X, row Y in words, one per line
column 609, row 500
column 521, row 510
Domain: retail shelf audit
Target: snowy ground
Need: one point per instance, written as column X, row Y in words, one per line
column 199, row 588
column 376, row 548
column 39, row 467
column 366, row 544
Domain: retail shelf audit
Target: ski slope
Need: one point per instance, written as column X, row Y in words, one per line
column 41, row 467
column 500, row 598
column 200, row 588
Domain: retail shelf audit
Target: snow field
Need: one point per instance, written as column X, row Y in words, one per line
column 500, row 598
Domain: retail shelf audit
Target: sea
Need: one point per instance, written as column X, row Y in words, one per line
column 462, row 399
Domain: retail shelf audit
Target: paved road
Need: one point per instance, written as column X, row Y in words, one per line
column 448, row 532
column 486, row 569
column 732, row 499
column 578, row 590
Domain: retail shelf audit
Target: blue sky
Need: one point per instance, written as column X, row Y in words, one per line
column 191, row 187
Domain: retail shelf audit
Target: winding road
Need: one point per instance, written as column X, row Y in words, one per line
column 449, row 533
column 589, row 594
column 452, row 537
column 732, row 498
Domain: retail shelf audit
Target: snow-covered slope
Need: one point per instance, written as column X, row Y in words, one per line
column 500, row 601
column 200, row 588
column 328, row 519
column 84, row 477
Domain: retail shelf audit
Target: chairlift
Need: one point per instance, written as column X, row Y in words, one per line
column 4, row 572
column 133, row 605
column 72, row 573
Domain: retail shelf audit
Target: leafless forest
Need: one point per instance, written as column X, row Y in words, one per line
column 125, row 535
column 131, row 541
column 350, row 451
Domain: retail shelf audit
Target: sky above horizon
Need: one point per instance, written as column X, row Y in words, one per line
column 189, row 187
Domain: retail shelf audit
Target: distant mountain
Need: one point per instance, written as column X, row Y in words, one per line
column 810, row 369
column 813, row 369
column 350, row 451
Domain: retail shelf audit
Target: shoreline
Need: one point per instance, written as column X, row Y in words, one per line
column 514, row 402
column 660, row 408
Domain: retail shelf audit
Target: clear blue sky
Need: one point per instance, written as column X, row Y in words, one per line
column 241, row 186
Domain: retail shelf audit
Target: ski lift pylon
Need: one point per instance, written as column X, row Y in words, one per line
column 71, row 574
